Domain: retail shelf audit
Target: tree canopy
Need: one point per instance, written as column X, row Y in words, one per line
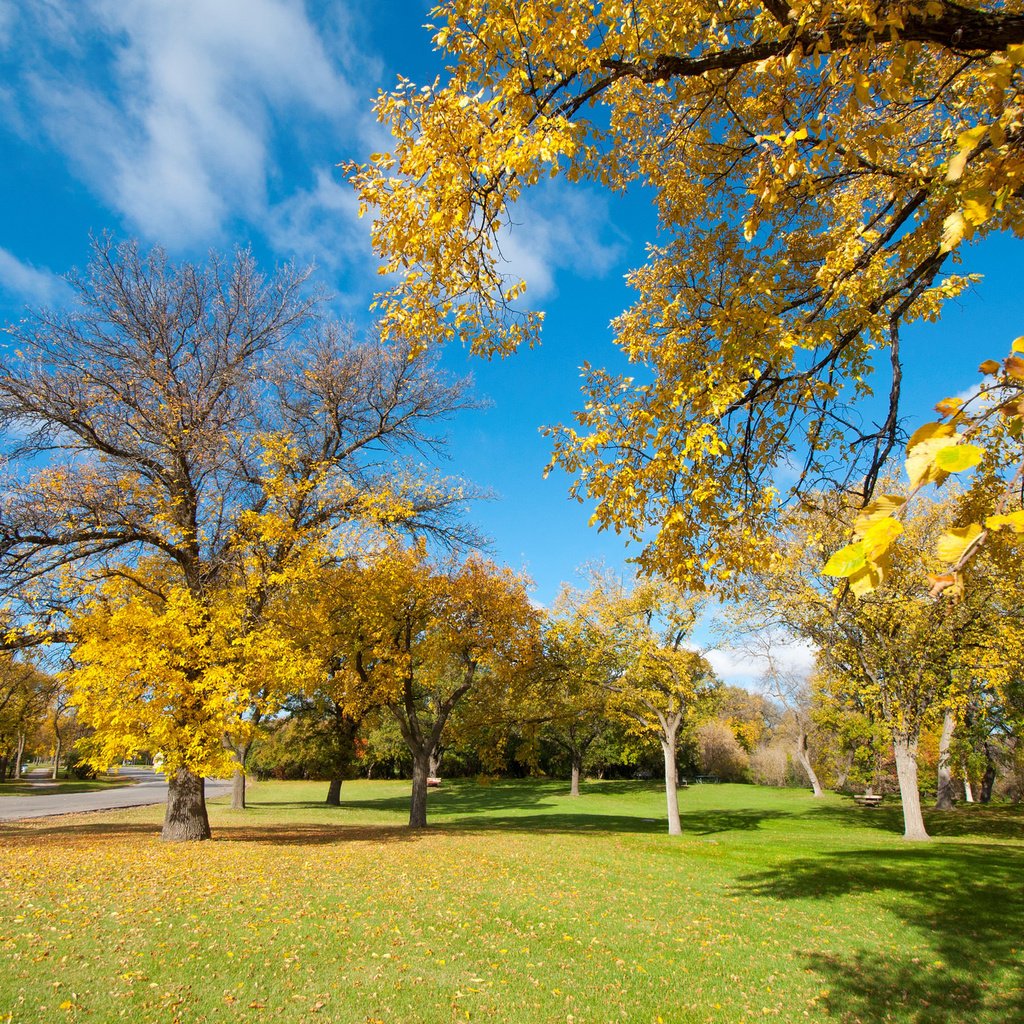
column 816, row 169
column 189, row 442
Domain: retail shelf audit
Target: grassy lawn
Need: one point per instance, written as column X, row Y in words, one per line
column 39, row 786
column 519, row 905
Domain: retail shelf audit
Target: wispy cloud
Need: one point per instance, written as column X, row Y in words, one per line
column 30, row 284
column 8, row 17
column 559, row 228
column 746, row 668
column 322, row 225
column 172, row 111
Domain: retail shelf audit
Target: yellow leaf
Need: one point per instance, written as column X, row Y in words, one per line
column 921, row 468
column 949, row 406
column 879, row 508
column 879, row 535
column 989, row 366
column 953, row 228
column 930, row 430
column 865, row 582
column 956, row 165
column 954, row 543
column 969, row 139
column 1018, row 344
column 1013, row 520
column 1015, row 367
column 871, row 577
column 846, row 561
column 955, row 458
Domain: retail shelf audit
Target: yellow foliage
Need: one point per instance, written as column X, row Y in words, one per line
column 174, row 673
column 814, row 175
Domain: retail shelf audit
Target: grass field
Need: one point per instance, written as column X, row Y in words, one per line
column 519, row 905
column 39, row 786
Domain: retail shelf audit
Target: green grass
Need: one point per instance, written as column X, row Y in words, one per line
column 46, row 787
column 518, row 905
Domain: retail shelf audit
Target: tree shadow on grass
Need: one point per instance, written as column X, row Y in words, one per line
column 29, row 833
column 316, row 835
column 553, row 824
column 537, row 807
column 986, row 821
column 465, row 797
column 965, row 902
column 981, row 821
column 706, row 823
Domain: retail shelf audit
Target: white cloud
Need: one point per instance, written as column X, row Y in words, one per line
column 8, row 16
column 30, row 284
column 322, row 225
column 176, row 132
column 745, row 668
column 557, row 229
column 978, row 402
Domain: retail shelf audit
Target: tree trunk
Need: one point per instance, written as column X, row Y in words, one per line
column 843, row 773
column 334, row 792
column 805, row 762
column 577, row 768
column 434, row 766
column 944, row 784
column 186, row 819
column 987, row 780
column 240, row 750
column 238, row 790
column 418, row 805
column 968, row 791
column 55, row 774
column 668, row 748
column 21, row 752
column 905, row 749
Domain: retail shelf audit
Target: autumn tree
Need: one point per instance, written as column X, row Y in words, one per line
column 656, row 682
column 25, row 697
column 569, row 695
column 423, row 635
column 61, row 723
column 793, row 693
column 816, row 170
column 316, row 739
column 788, row 688
column 184, row 440
column 333, row 703
column 895, row 654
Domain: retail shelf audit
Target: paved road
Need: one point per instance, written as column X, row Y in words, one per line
column 148, row 789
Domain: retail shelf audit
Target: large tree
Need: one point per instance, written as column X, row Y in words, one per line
column 569, row 695
column 816, row 167
column 425, row 634
column 185, row 438
column 26, row 695
column 895, row 654
column 640, row 654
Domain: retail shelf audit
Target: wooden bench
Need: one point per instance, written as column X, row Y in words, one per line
column 432, row 781
column 867, row 799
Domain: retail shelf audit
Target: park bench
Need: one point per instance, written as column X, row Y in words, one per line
column 433, row 781
column 867, row 799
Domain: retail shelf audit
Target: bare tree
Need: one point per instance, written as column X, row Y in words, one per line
column 171, row 406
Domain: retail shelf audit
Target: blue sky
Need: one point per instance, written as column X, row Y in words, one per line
column 201, row 124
